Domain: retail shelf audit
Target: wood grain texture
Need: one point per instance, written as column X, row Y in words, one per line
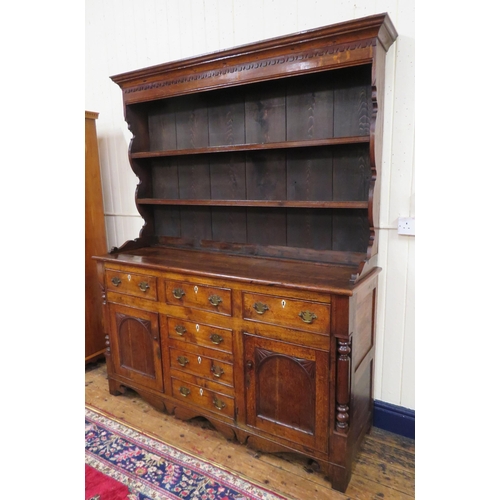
column 297, row 393
column 137, row 35
column 306, row 275
column 95, row 241
column 384, row 468
column 296, row 398
column 250, row 146
column 135, row 346
column 261, row 61
column 326, row 97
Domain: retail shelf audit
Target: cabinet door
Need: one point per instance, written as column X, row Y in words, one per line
column 135, row 345
column 287, row 391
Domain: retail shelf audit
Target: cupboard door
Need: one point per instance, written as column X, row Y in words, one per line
column 135, row 345
column 287, row 391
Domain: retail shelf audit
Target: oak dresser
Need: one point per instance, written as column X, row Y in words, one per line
column 249, row 296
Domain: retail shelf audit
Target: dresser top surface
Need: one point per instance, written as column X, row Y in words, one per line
column 321, row 277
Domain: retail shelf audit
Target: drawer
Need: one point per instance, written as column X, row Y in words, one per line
column 202, row 366
column 138, row 285
column 292, row 313
column 207, row 298
column 198, row 334
column 204, row 398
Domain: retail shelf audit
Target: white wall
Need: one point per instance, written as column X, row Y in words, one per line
column 124, row 35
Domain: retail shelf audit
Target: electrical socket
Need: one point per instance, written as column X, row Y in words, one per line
column 406, row 225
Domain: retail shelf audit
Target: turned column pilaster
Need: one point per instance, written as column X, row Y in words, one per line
column 343, row 385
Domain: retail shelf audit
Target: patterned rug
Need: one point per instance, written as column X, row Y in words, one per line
column 152, row 470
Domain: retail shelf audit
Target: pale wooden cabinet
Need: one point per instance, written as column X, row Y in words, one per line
column 95, row 242
column 249, row 297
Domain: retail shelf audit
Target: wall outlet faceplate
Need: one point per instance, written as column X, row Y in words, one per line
column 406, row 225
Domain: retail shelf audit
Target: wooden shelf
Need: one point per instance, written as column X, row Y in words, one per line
column 257, row 203
column 254, row 147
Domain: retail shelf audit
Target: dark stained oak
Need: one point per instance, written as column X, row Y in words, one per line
column 261, row 146
column 253, row 203
column 249, row 296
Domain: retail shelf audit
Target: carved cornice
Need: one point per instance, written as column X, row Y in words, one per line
column 227, row 69
column 378, row 27
column 319, row 49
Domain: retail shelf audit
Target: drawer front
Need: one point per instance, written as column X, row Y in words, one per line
column 202, row 366
column 198, row 334
column 138, row 285
column 291, row 313
column 204, row 398
column 207, row 298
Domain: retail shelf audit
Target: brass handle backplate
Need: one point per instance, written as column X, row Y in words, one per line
column 180, row 329
column 215, row 300
column 178, row 293
column 116, row 281
column 307, row 316
column 216, row 339
column 182, row 360
column 144, row 286
column 217, row 371
column 184, row 391
column 260, row 307
column 220, row 405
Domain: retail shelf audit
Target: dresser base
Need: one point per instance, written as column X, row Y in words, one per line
column 279, row 365
column 338, row 475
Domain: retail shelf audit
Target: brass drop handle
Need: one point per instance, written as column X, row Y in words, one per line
column 116, row 281
column 249, row 364
column 260, row 307
column 182, row 360
column 180, row 329
column 184, row 391
column 217, row 371
column 144, row 286
column 307, row 316
column 178, row 293
column 220, row 405
column 216, row 339
column 215, row 300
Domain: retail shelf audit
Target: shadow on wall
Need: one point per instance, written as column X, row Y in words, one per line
column 119, row 184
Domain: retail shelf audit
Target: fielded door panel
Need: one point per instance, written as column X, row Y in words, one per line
column 135, row 343
column 287, row 391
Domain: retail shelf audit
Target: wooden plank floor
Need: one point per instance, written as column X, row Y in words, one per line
column 384, row 469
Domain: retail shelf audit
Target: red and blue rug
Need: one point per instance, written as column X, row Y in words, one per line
column 123, row 464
